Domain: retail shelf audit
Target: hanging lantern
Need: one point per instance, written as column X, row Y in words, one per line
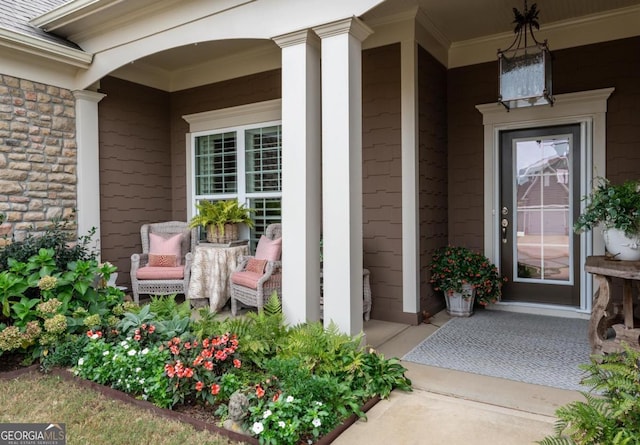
column 525, row 71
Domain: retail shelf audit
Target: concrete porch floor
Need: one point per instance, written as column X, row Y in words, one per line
column 452, row 407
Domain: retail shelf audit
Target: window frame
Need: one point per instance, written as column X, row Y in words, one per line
column 238, row 119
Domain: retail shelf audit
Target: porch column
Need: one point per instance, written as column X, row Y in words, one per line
column 410, row 179
column 300, row 176
column 342, row 172
column 88, row 194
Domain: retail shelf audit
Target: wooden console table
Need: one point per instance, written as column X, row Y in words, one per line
column 602, row 317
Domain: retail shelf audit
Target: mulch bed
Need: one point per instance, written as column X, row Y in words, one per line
column 11, row 361
column 201, row 420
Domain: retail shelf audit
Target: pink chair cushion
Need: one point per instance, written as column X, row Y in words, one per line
column 166, row 246
column 160, row 273
column 246, row 279
column 159, row 260
column 268, row 249
column 255, row 265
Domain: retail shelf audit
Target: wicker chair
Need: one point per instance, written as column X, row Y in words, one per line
column 265, row 285
column 178, row 277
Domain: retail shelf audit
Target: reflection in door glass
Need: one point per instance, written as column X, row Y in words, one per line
column 543, row 209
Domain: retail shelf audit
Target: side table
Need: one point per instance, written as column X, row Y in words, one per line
column 602, row 317
column 212, row 265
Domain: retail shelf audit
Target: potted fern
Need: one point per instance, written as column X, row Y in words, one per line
column 221, row 219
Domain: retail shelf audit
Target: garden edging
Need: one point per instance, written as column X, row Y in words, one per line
column 173, row 415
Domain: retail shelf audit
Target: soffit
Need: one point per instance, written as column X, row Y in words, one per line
column 461, row 20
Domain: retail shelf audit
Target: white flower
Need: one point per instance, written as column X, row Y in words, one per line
column 281, row 424
column 94, row 337
column 131, row 353
column 266, row 414
column 141, row 381
column 318, row 403
column 105, row 353
column 289, row 399
column 257, row 428
column 138, row 369
column 124, row 344
column 80, row 361
column 316, row 422
column 145, row 351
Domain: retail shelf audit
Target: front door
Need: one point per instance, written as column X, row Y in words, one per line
column 540, row 185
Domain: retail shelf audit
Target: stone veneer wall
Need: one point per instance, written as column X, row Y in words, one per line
column 38, row 154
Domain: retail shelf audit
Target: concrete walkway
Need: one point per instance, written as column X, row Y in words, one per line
column 452, row 407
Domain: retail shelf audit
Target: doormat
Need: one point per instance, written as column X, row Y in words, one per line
column 527, row 348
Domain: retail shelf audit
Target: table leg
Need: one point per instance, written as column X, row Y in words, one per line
column 597, row 329
column 627, row 304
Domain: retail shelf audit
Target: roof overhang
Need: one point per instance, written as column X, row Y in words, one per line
column 43, row 48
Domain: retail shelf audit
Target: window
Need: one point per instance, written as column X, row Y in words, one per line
column 244, row 163
column 237, row 153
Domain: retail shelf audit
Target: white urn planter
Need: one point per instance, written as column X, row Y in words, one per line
column 620, row 246
column 460, row 304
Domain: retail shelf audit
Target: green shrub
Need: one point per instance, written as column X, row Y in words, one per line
column 57, row 236
column 611, row 413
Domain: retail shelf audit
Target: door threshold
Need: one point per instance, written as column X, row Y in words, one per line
column 540, row 309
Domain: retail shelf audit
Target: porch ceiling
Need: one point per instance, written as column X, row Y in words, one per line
column 461, row 28
column 461, row 20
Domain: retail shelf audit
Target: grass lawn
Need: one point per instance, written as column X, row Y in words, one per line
column 89, row 416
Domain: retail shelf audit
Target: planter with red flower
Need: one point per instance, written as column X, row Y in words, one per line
column 465, row 276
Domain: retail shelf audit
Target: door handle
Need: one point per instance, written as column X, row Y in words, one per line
column 504, row 223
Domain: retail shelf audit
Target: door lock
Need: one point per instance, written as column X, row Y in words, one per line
column 504, row 223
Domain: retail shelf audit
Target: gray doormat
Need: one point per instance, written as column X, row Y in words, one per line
column 522, row 347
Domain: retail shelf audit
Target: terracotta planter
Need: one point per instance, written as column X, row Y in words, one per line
column 460, row 304
column 620, row 246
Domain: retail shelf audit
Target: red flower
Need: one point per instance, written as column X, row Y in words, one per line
column 187, row 345
column 276, row 396
column 215, row 389
column 174, row 350
column 237, row 363
column 208, row 365
column 170, row 370
column 188, row 373
column 259, row 391
column 152, row 329
column 198, row 361
column 199, row 386
column 220, row 355
column 137, row 337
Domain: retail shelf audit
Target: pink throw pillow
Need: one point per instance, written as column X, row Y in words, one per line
column 268, row 249
column 256, row 266
column 161, row 260
column 166, row 246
